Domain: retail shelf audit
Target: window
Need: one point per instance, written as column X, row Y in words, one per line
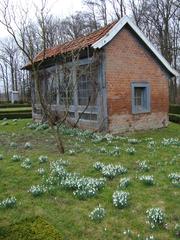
column 140, row 97
column 88, row 116
column 52, row 90
column 66, row 88
column 86, row 85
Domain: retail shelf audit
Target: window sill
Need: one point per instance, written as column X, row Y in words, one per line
column 141, row 112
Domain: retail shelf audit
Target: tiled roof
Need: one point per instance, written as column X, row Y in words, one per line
column 79, row 43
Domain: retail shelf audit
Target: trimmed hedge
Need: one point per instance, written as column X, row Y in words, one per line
column 30, row 229
column 15, row 105
column 14, row 115
column 174, row 109
column 174, row 118
column 13, row 110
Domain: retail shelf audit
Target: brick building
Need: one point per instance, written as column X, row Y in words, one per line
column 113, row 80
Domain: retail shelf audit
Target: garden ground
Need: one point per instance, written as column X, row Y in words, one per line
column 65, row 213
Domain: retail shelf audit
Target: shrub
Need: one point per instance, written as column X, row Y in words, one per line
column 97, row 214
column 32, row 228
column 120, row 199
column 16, row 158
column 1, row 157
column 147, row 180
column 174, row 118
column 17, row 115
column 8, row 202
column 156, row 217
column 43, row 159
column 124, row 182
column 174, row 108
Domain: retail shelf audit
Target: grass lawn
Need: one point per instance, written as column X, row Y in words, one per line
column 65, row 212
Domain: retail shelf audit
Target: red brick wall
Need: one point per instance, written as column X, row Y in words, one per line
column 127, row 60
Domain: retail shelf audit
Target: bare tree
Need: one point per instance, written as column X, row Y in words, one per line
column 119, row 8
column 20, row 32
column 159, row 20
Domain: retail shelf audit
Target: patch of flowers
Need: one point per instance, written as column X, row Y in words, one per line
column 120, row 199
column 175, row 179
column 50, row 182
column 156, row 217
column 63, row 162
column 41, row 171
column 110, row 171
column 26, row 163
column 124, row 182
column 70, row 181
column 37, row 190
column 16, row 158
column 13, row 144
column 71, row 152
column 98, row 166
column 58, row 169
column 38, row 126
column 143, row 166
column 147, row 180
column 177, row 230
column 100, row 138
column 170, row 141
column 88, row 187
column 130, row 150
column 129, row 233
column 114, row 152
column 27, row 145
column 8, row 202
column 151, row 145
column 43, row 159
column 1, row 157
column 97, row 214
column 133, row 141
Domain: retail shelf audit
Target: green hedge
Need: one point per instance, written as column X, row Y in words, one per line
column 174, row 118
column 15, row 105
column 174, row 109
column 30, row 229
column 14, row 115
column 13, row 110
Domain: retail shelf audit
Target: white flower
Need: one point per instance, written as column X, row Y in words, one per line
column 43, row 159
column 156, row 216
column 27, row 145
column 8, row 202
column 148, row 180
column 97, row 214
column 120, row 199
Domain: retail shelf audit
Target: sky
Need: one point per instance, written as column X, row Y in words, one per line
column 61, row 8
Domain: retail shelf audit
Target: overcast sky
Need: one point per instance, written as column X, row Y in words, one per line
column 59, row 8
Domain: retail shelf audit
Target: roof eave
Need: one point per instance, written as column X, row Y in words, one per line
column 117, row 28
